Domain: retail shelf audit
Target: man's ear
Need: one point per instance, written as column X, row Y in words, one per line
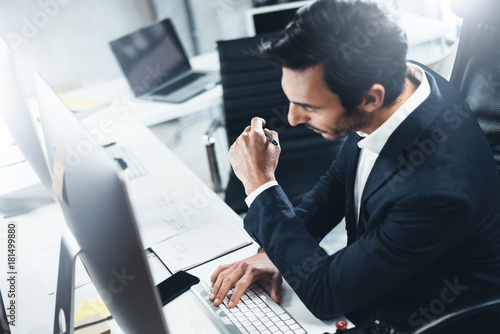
column 373, row 98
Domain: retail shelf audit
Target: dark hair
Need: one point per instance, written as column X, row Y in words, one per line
column 355, row 42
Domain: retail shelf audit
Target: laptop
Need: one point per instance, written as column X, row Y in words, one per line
column 156, row 66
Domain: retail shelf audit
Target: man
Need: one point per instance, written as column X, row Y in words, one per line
column 415, row 179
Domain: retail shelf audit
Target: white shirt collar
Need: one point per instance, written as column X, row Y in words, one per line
column 376, row 140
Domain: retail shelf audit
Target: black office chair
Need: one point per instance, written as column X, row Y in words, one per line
column 252, row 87
column 476, row 73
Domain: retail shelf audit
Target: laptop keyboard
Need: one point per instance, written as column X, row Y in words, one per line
column 256, row 312
column 134, row 166
column 179, row 83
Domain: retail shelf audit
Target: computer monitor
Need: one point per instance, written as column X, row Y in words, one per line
column 4, row 321
column 271, row 19
column 19, row 122
column 94, row 199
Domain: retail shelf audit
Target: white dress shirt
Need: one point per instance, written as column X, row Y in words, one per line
column 372, row 144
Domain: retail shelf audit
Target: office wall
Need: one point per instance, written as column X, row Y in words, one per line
column 212, row 20
column 67, row 40
column 177, row 12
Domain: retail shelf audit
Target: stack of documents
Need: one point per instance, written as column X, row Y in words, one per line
column 184, row 236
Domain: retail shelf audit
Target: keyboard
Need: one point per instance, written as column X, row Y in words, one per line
column 134, row 166
column 256, row 312
column 179, row 83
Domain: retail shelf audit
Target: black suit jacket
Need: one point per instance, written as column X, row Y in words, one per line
column 429, row 225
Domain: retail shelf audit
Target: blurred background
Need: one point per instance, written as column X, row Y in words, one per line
column 67, row 40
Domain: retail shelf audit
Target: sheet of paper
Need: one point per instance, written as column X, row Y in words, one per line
column 163, row 216
column 97, row 328
column 89, row 308
column 192, row 248
column 80, row 104
column 45, row 260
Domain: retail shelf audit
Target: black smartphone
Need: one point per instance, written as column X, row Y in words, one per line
column 175, row 285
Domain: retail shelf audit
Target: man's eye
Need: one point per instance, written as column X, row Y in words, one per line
column 308, row 109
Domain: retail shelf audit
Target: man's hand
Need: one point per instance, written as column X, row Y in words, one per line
column 253, row 158
column 242, row 274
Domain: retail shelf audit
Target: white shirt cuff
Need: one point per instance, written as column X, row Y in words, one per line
column 253, row 195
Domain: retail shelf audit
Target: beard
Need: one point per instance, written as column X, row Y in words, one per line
column 351, row 121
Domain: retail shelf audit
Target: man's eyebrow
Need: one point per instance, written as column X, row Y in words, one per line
column 306, row 105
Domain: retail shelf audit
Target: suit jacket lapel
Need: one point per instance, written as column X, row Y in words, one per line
column 400, row 144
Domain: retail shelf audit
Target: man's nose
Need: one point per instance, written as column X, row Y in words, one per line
column 296, row 115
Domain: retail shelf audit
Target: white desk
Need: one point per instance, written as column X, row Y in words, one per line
column 123, row 104
column 184, row 315
column 35, row 308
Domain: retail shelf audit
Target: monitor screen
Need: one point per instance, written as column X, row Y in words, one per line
column 150, row 56
column 18, row 118
column 271, row 19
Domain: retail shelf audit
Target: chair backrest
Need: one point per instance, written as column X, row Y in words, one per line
column 252, row 87
column 476, row 72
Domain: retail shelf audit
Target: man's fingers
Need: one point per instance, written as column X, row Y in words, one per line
column 276, row 289
column 239, row 289
column 217, row 272
column 217, row 279
column 223, row 285
column 273, row 135
column 257, row 124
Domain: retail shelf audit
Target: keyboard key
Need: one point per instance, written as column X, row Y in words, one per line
column 273, row 329
column 274, row 319
column 134, row 165
column 280, row 324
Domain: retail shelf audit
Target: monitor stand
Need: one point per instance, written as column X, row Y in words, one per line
column 65, row 294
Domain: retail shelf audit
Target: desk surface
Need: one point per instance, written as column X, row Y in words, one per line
column 121, row 100
column 35, row 308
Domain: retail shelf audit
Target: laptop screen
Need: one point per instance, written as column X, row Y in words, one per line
column 150, row 56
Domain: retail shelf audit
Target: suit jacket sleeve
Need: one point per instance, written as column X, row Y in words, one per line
column 417, row 230
column 324, row 207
